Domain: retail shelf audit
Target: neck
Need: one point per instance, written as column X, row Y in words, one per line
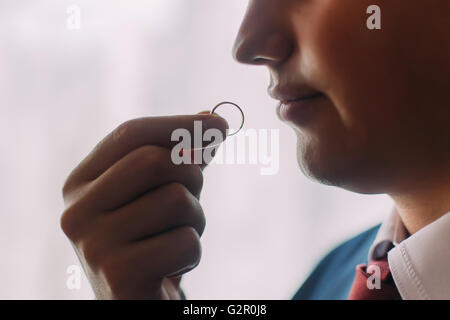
column 420, row 206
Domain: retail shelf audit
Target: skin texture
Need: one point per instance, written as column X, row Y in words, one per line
column 382, row 126
column 133, row 216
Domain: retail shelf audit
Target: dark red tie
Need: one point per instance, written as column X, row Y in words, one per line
column 364, row 288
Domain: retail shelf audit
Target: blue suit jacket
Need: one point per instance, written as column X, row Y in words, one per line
column 334, row 275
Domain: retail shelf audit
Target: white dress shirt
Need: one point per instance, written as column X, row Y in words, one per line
column 420, row 263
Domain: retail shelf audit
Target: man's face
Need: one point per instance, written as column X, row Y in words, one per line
column 372, row 107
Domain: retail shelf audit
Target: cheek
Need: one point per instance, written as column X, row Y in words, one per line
column 377, row 121
column 354, row 66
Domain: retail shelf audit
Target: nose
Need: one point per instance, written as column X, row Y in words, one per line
column 263, row 38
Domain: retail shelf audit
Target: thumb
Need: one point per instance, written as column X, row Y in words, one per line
column 215, row 147
column 201, row 152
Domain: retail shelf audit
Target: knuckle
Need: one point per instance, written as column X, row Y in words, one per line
column 73, row 220
column 68, row 223
column 66, row 188
column 190, row 245
column 150, row 159
column 195, row 216
column 180, row 196
column 197, row 177
column 187, row 208
column 69, row 187
column 201, row 222
column 127, row 130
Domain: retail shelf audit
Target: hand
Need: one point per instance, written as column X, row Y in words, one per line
column 133, row 216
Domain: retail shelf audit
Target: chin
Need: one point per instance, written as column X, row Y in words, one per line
column 342, row 171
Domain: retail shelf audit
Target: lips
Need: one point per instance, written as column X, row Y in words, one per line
column 303, row 98
column 290, row 93
column 297, row 105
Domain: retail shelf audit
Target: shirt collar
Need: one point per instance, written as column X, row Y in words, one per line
column 419, row 263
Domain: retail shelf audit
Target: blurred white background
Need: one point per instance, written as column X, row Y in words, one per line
column 62, row 90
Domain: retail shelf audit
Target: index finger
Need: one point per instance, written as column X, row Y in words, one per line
column 137, row 133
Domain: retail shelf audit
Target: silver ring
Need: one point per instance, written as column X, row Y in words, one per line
column 240, row 110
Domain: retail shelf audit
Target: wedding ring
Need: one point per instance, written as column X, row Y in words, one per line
column 240, row 110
